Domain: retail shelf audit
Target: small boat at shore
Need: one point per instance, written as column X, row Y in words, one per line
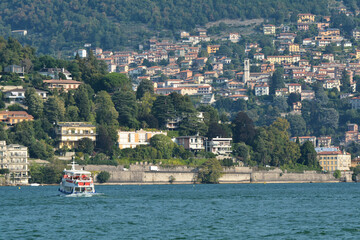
column 77, row 182
column 35, row 184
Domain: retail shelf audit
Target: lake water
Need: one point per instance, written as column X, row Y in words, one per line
column 242, row 211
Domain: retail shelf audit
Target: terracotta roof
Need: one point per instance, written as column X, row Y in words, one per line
column 62, row 81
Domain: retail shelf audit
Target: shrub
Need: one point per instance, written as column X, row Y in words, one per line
column 103, row 177
column 337, row 174
column 171, row 179
column 4, row 171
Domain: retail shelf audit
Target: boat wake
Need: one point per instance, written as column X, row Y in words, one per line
column 83, row 195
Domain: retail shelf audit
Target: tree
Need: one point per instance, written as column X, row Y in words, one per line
column 112, row 82
column 210, row 171
column 34, row 103
column 277, row 80
column 293, row 98
column 163, row 110
column 297, row 125
column 281, row 104
column 103, row 177
column 144, row 87
column 308, row 155
column 190, row 124
column 54, row 109
column 241, row 151
column 345, row 82
column 106, row 113
column 83, row 102
column 126, row 105
column 243, row 128
column 216, row 130
column 72, row 114
column 104, row 140
column 86, row 145
column 163, row 144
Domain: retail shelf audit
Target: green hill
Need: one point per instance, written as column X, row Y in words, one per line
column 112, row 24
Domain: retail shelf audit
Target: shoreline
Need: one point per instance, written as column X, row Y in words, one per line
column 181, row 183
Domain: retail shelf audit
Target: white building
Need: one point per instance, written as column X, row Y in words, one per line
column 55, row 72
column 261, row 89
column 191, row 143
column 294, row 88
column 219, row 146
column 18, row 95
column 82, row 53
column 132, row 139
column 15, row 158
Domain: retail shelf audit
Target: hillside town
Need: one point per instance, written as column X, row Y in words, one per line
column 304, row 59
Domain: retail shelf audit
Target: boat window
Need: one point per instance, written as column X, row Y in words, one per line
column 77, row 189
column 88, row 189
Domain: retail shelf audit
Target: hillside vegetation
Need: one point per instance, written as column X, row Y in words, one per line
column 112, row 24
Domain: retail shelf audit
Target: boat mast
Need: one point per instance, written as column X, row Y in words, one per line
column 73, row 164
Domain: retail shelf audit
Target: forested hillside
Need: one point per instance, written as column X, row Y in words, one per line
column 112, row 24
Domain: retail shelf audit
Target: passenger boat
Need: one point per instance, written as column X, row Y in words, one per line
column 77, row 182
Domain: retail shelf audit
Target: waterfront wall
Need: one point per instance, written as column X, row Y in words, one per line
column 141, row 174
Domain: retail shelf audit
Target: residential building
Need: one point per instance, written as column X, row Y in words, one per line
column 132, row 139
column 283, row 59
column 297, row 107
column 191, row 143
column 356, row 34
column 219, row 146
column 306, row 18
column 259, row 56
column 15, row 158
column 70, row 133
column 355, row 102
column 323, row 141
column 269, row 29
column 334, row 160
column 64, row 85
column 213, row 48
column 15, row 69
column 355, row 162
column 294, row 48
column 55, row 73
column 234, row 37
column 20, row 32
column 294, row 88
column 18, row 95
column 13, row 117
column 261, row 89
column 81, row 52
column 304, row 139
column 352, row 134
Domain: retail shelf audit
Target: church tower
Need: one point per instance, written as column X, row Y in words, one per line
column 246, row 76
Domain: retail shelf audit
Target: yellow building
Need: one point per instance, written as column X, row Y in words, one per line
column 132, row 139
column 334, row 160
column 330, row 32
column 283, row 59
column 213, row 48
column 294, row 48
column 357, row 54
column 70, row 133
column 306, row 18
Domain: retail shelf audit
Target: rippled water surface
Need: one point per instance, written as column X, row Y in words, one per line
column 244, row 211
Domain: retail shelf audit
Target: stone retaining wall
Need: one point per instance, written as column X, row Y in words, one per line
column 187, row 175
